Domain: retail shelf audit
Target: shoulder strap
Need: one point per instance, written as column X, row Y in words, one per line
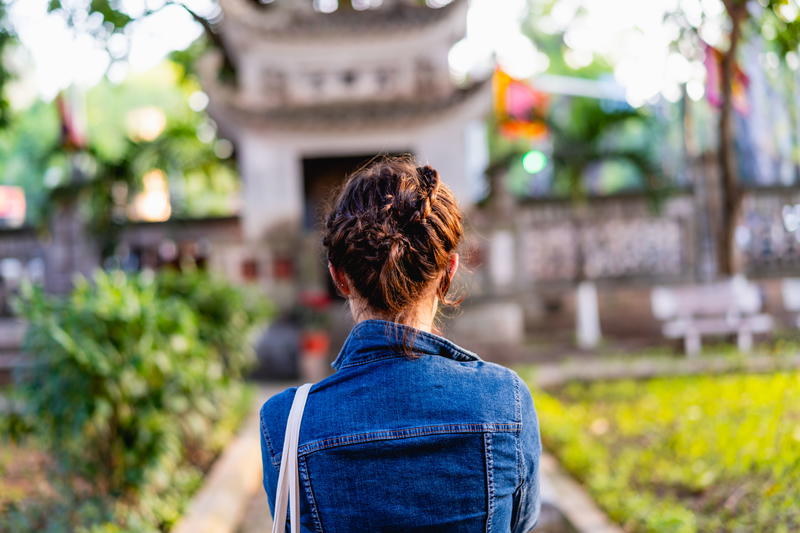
column 288, row 479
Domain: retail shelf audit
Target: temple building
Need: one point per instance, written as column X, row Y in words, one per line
column 320, row 87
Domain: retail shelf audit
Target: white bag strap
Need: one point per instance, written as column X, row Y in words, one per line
column 288, row 479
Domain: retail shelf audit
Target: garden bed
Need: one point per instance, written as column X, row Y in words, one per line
column 135, row 387
column 23, row 475
column 683, row 454
column 28, row 496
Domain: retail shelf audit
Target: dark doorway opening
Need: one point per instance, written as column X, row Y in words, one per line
column 322, row 177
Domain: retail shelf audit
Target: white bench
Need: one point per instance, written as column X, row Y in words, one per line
column 721, row 308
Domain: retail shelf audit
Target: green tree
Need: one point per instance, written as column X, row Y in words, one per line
column 25, row 143
column 584, row 133
column 777, row 21
column 7, row 40
column 105, row 175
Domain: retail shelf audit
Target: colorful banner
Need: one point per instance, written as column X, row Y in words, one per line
column 73, row 135
column 517, row 107
column 713, row 64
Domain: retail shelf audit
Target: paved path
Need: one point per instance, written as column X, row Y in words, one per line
column 257, row 518
column 234, row 481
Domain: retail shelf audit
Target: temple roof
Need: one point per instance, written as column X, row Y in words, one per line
column 349, row 116
column 294, row 24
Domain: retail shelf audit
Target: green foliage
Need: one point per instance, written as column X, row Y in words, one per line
column 590, row 132
column 585, row 133
column 105, row 176
column 26, row 142
column 202, row 183
column 113, row 19
column 132, row 389
column 8, row 39
column 111, row 13
column 224, row 315
column 683, row 455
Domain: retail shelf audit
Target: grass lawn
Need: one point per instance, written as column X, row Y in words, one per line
column 702, row 453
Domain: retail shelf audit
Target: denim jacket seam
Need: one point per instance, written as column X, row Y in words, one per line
column 463, row 355
column 303, row 468
column 272, row 455
column 417, row 431
column 371, row 360
column 375, row 359
column 454, row 351
column 487, row 441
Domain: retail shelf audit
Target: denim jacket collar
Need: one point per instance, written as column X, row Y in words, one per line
column 373, row 339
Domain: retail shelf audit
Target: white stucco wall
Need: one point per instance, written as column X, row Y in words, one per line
column 272, row 186
column 451, row 148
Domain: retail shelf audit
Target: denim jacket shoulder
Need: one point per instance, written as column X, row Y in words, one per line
column 380, row 402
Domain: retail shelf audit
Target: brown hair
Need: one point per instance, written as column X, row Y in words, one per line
column 391, row 230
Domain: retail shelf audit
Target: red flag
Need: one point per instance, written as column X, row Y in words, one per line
column 72, row 136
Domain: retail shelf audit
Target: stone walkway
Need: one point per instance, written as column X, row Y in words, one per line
column 257, row 518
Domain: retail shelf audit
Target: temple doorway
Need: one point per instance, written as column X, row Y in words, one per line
column 322, row 176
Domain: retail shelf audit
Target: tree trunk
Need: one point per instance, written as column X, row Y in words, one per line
column 697, row 173
column 794, row 123
column 729, row 171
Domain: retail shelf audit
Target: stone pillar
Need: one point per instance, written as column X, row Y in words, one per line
column 457, row 153
column 272, row 192
column 70, row 251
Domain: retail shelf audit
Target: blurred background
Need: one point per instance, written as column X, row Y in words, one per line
column 630, row 173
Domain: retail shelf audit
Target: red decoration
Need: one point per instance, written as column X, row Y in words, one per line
column 315, row 344
column 283, row 268
column 713, row 64
column 518, row 106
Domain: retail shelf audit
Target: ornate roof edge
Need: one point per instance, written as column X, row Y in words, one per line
column 301, row 25
column 225, row 107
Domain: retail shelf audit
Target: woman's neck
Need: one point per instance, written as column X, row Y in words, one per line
column 419, row 318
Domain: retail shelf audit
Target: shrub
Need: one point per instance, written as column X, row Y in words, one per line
column 132, row 376
column 225, row 315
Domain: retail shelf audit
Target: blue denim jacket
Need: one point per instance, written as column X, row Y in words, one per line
column 446, row 442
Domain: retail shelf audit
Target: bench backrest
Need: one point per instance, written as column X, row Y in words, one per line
column 711, row 299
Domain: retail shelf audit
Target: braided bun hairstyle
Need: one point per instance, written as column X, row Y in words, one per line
column 392, row 230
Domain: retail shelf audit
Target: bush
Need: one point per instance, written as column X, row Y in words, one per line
column 133, row 375
column 225, row 315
